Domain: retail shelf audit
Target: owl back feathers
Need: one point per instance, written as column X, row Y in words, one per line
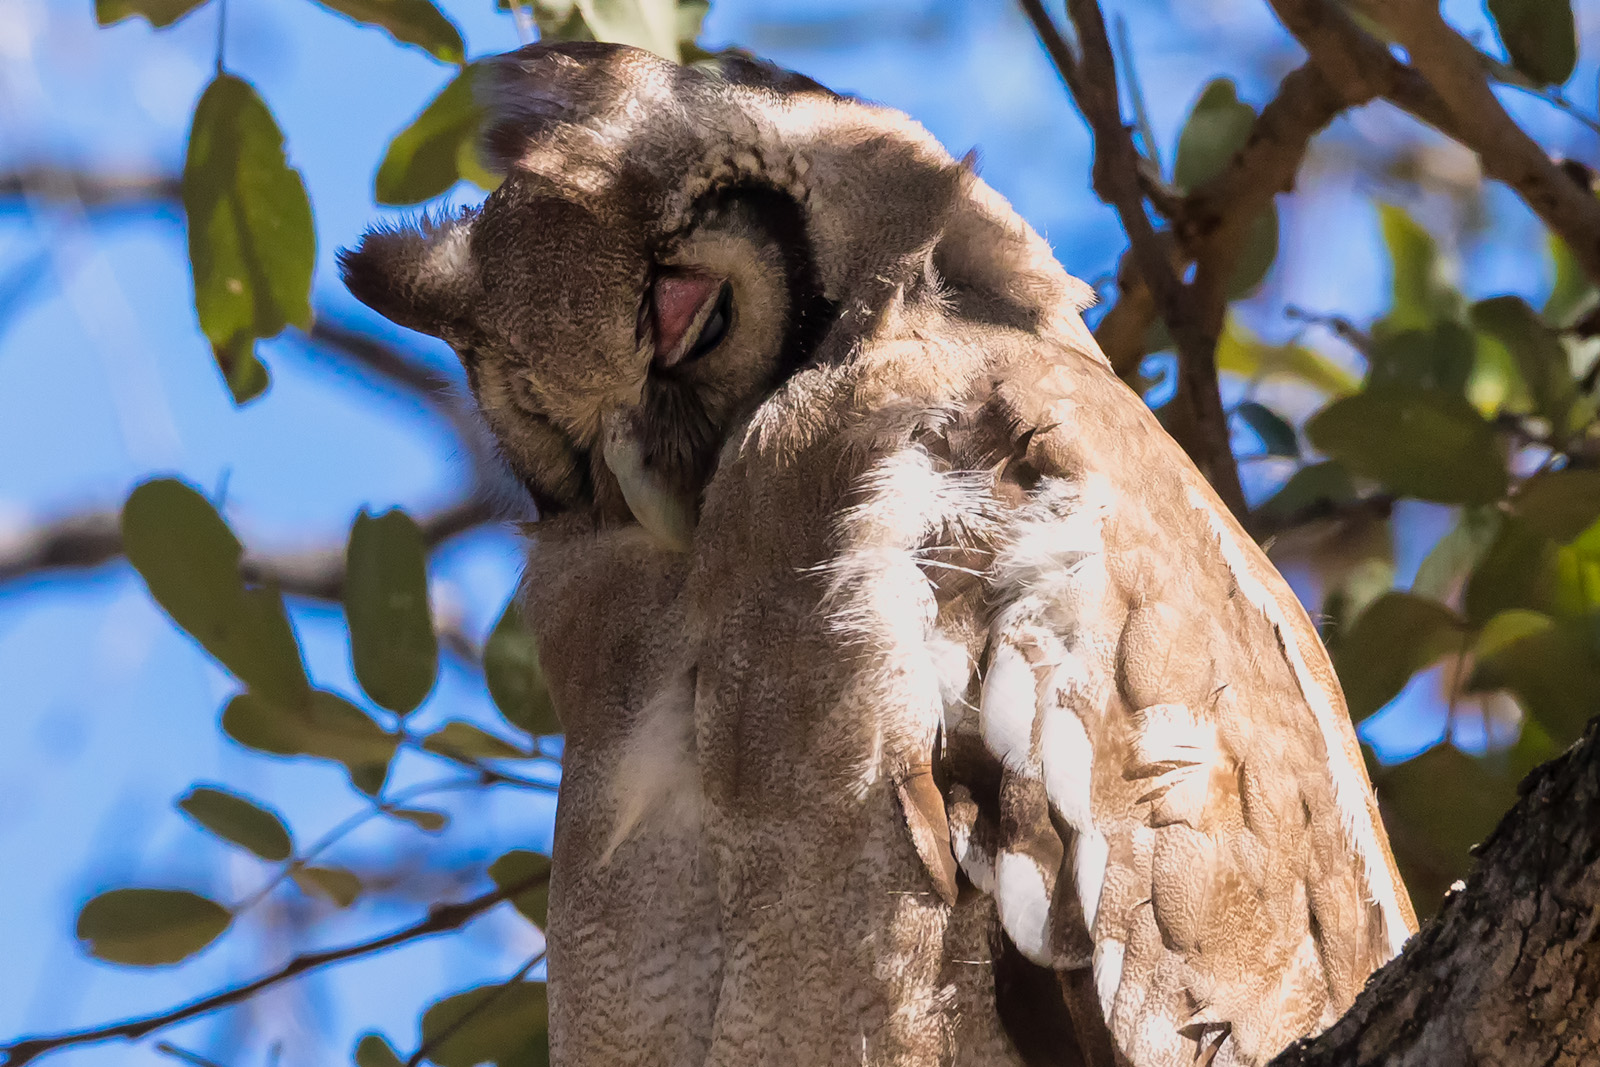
column 1180, row 807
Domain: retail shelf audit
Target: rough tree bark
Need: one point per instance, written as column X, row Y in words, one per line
column 1508, row 973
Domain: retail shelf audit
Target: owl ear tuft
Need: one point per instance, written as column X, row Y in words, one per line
column 419, row 275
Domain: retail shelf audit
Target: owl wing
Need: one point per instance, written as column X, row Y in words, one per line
column 1182, row 805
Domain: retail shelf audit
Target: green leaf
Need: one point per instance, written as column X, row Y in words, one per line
column 1314, row 488
column 1496, row 384
column 333, row 884
column 1549, row 664
column 1559, row 504
column 464, row 740
column 504, row 1024
column 1508, row 628
column 1241, row 352
column 422, row 818
column 1572, row 293
column 511, row 667
column 691, row 14
column 558, row 20
column 392, row 643
column 1429, row 445
column 189, row 559
column 437, row 149
column 325, row 726
column 1577, row 581
column 1441, row 357
column 1541, row 360
column 1277, row 436
column 1540, row 37
column 1437, row 806
column 150, row 927
column 1218, row 126
column 159, row 13
column 368, row 777
column 246, row 376
column 1518, row 571
column 252, row 245
column 1421, row 295
column 417, row 22
column 650, row 24
column 240, row 820
column 520, row 867
column 1457, row 553
column 1256, row 255
column 1396, row 636
column 374, row 1050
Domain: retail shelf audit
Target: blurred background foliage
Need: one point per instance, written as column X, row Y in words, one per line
column 336, row 744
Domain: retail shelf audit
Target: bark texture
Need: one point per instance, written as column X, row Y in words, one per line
column 1509, row 972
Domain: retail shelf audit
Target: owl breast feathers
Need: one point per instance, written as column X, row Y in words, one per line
column 923, row 703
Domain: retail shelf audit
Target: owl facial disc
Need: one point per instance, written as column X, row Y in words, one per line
column 665, row 510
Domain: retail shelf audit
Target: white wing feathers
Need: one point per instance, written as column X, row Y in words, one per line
column 1153, row 823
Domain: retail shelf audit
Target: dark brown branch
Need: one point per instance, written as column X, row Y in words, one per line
column 1448, row 89
column 1201, row 426
column 95, row 538
column 1266, row 524
column 385, row 362
column 91, row 189
column 1358, row 64
column 440, row 919
column 320, row 573
column 1452, row 66
column 1509, row 972
column 1210, row 223
column 89, row 540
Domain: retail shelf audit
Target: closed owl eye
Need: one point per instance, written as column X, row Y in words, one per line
column 690, row 314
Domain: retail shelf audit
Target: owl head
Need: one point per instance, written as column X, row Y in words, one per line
column 670, row 245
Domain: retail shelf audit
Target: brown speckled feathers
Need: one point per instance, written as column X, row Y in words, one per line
column 924, row 706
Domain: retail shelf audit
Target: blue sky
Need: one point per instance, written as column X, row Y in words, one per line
column 107, row 713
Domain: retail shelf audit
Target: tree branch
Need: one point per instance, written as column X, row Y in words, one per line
column 92, row 189
column 389, row 365
column 1509, row 971
column 319, row 573
column 95, row 538
column 1448, row 89
column 1201, row 426
column 440, row 918
column 1211, row 222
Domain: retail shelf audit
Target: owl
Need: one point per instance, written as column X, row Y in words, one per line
column 924, row 705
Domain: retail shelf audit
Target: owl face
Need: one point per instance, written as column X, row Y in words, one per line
column 669, row 246
column 611, row 361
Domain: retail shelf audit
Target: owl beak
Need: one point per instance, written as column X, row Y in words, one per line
column 664, row 510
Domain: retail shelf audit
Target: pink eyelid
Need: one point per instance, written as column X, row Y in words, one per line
column 676, row 304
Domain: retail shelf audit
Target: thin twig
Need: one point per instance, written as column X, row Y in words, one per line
column 349, row 825
column 488, row 774
column 1091, row 79
column 1141, row 114
column 440, row 919
column 477, row 1009
column 167, row 1048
